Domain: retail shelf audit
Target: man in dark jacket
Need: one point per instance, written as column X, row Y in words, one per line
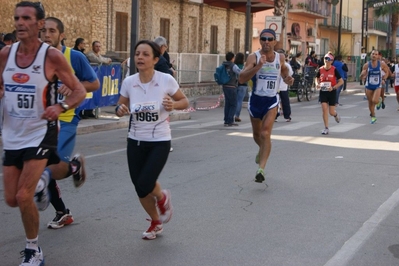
column 163, row 65
column 230, row 90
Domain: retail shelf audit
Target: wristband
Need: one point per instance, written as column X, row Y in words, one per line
column 117, row 108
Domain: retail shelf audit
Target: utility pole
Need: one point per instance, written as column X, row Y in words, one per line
column 339, row 27
column 247, row 28
column 134, row 32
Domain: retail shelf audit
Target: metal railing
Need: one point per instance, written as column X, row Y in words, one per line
column 333, row 21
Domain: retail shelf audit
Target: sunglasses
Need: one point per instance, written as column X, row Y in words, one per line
column 269, row 39
column 327, row 58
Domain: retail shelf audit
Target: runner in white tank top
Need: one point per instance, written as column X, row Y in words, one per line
column 30, row 116
column 265, row 68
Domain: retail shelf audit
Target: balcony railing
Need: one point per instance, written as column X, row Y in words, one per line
column 318, row 8
column 378, row 25
column 333, row 21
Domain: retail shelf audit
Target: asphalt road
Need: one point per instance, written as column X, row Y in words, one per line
column 331, row 200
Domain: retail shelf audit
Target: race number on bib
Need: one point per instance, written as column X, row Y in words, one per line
column 146, row 112
column 374, row 80
column 21, row 101
column 266, row 85
column 324, row 86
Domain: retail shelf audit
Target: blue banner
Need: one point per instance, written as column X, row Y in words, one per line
column 110, row 77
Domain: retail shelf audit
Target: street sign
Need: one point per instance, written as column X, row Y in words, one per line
column 383, row 3
column 274, row 23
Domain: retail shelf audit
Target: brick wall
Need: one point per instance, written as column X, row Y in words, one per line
column 95, row 20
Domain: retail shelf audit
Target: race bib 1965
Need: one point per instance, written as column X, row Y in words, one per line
column 146, row 112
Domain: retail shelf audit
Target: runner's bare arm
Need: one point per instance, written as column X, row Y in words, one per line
column 363, row 74
column 56, row 65
column 386, row 70
column 3, row 59
column 250, row 68
column 122, row 106
column 179, row 102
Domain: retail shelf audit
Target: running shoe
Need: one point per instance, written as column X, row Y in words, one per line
column 171, row 149
column 257, row 156
column 260, row 176
column 165, row 207
column 42, row 198
column 378, row 105
column 61, row 219
column 324, row 131
column 155, row 228
column 382, row 105
column 373, row 120
column 237, row 119
column 79, row 176
column 337, row 118
column 32, row 257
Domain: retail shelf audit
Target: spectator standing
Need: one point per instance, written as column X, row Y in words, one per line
column 296, row 67
column 148, row 96
column 94, row 55
column 230, row 90
column 339, row 65
column 30, row 130
column 241, row 88
column 283, row 91
column 163, row 65
column 9, row 39
column 80, row 45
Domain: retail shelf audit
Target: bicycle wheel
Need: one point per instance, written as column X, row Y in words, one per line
column 300, row 93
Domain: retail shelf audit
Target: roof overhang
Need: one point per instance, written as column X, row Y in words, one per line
column 241, row 5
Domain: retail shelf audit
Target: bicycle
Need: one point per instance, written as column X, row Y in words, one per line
column 309, row 82
column 298, row 87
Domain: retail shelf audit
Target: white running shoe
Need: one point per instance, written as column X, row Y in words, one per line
column 155, row 228
column 60, row 220
column 324, row 131
column 166, row 210
column 32, row 257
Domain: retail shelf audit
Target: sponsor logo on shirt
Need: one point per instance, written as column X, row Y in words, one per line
column 20, row 78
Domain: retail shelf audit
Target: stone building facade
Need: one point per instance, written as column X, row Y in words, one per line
column 192, row 27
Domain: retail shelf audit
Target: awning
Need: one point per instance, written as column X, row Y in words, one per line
column 312, row 44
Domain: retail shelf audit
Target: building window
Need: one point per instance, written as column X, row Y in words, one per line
column 324, row 46
column 165, row 28
column 236, row 40
column 121, row 34
column 294, row 50
column 214, row 40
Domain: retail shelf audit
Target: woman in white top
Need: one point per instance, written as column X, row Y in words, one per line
column 148, row 96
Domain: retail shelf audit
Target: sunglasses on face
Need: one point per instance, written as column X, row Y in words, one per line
column 269, row 39
column 327, row 58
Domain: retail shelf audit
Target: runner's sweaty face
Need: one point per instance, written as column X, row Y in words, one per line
column 267, row 41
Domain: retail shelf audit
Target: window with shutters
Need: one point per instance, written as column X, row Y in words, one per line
column 164, row 28
column 237, row 40
column 121, row 34
column 214, row 40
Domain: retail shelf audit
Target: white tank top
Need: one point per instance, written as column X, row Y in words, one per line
column 27, row 93
column 267, row 78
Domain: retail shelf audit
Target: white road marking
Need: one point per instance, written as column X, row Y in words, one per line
column 353, row 244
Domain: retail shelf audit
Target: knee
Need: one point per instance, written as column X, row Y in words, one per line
column 11, row 201
column 265, row 134
column 23, row 197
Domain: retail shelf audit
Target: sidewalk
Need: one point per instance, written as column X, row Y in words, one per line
column 108, row 120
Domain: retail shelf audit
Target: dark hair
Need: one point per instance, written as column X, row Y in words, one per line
column 40, row 14
column 92, row 45
column 9, row 37
column 229, row 56
column 77, row 42
column 60, row 25
column 338, row 57
column 156, row 50
column 239, row 59
column 312, row 52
